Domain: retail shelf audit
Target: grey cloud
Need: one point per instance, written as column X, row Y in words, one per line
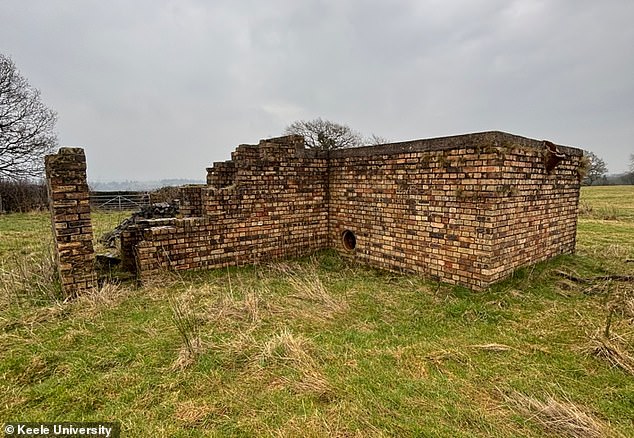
column 176, row 85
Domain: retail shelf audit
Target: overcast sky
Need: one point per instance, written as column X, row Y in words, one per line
column 158, row 89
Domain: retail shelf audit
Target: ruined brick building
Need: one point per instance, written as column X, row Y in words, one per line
column 466, row 209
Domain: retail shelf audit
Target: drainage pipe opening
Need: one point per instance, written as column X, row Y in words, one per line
column 349, row 240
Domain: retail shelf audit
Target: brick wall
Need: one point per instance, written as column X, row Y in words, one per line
column 70, row 215
column 270, row 204
column 191, row 202
column 466, row 209
column 221, row 175
column 536, row 210
column 415, row 211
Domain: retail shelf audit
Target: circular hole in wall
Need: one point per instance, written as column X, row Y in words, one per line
column 349, row 240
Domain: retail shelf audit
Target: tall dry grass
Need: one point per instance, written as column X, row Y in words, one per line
column 295, row 352
column 561, row 418
column 311, row 299
column 31, row 278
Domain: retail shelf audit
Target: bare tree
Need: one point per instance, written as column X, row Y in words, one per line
column 325, row 135
column 596, row 168
column 375, row 140
column 26, row 125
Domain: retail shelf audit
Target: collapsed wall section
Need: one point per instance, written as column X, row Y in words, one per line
column 269, row 203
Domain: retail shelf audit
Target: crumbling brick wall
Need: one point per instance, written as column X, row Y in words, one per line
column 190, row 200
column 270, row 203
column 70, row 215
column 466, row 209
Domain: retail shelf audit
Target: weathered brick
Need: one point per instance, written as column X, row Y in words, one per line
column 66, row 181
column 456, row 208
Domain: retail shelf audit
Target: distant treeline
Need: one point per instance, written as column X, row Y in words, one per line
column 615, row 180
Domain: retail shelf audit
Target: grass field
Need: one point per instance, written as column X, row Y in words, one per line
column 320, row 347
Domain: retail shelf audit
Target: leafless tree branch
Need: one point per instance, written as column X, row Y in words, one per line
column 325, row 135
column 26, row 125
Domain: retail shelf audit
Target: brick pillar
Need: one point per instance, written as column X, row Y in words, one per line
column 69, row 203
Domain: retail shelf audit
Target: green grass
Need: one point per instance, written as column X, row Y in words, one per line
column 320, row 347
column 607, row 202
